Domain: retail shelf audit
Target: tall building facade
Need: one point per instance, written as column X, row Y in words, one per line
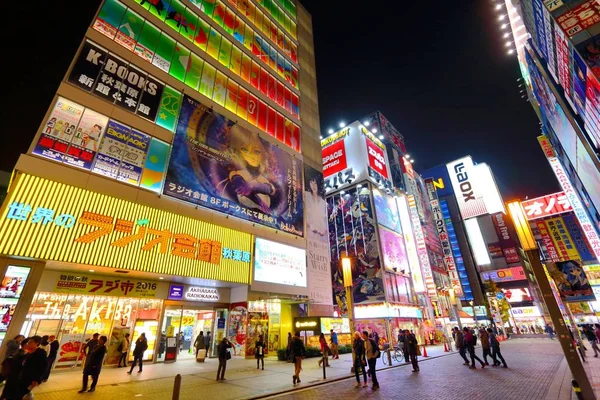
column 165, row 192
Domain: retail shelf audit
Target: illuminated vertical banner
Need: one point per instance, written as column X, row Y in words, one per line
column 411, row 247
column 421, row 247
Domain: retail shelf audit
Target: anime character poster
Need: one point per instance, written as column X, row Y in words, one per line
column 571, row 281
column 352, row 234
column 238, row 324
column 58, row 130
column 218, row 164
column 387, row 211
column 393, row 250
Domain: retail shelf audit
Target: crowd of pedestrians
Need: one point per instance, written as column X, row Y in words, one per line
column 466, row 340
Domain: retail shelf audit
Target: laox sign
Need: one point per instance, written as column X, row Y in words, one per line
column 465, row 186
column 473, row 186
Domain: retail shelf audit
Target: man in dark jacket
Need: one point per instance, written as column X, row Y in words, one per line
column 11, row 372
column 34, row 366
column 141, row 345
column 51, row 355
column 223, row 353
column 298, row 353
column 413, row 347
column 89, row 346
column 94, row 366
column 403, row 345
column 469, row 343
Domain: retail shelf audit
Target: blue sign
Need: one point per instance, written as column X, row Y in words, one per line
column 221, row 323
column 499, row 296
column 176, row 292
column 441, row 180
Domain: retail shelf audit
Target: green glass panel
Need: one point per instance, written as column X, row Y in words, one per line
column 147, row 42
column 214, row 41
column 208, row 6
column 219, row 15
column 248, row 38
column 202, row 33
column 220, row 90
column 236, row 61
column 155, row 165
column 109, row 18
column 174, row 15
column 192, row 78
column 179, row 64
column 129, row 30
column 164, row 52
column 170, row 104
column 189, row 25
column 293, row 29
column 157, row 8
column 225, row 52
column 208, row 80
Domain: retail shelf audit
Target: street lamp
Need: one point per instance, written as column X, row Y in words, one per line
column 347, row 273
column 529, row 245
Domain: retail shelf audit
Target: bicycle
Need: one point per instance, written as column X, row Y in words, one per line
column 396, row 354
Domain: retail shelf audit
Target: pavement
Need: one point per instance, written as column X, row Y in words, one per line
column 536, row 371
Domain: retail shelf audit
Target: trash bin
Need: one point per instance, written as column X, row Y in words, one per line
column 201, row 355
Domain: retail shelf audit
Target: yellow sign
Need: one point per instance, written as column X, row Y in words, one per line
column 335, row 137
column 48, row 220
column 104, row 285
column 368, row 134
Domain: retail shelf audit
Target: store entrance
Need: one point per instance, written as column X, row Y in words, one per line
column 185, row 325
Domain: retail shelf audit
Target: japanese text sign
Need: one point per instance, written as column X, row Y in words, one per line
column 545, row 206
column 505, row 275
column 580, row 18
column 58, row 222
column 104, row 285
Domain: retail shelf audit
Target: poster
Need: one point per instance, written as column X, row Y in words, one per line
column 279, row 263
column 258, row 324
column 13, row 282
column 393, row 251
column 155, row 165
column 70, row 349
column 571, row 281
column 238, row 319
column 86, row 139
column 218, row 164
column 104, row 285
column 58, row 129
column 317, row 235
column 387, row 211
column 111, row 148
column 133, row 157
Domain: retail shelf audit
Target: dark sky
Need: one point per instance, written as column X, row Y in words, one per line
column 438, row 72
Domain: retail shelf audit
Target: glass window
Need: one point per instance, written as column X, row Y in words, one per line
column 272, row 89
column 289, row 132
column 286, row 46
column 248, row 37
column 128, row 33
column 295, row 106
column 229, row 22
column 147, row 42
column 242, row 108
column 265, row 26
column 280, row 65
column 252, row 109
column 273, row 33
column 170, row 103
column 109, row 18
column 295, row 77
column 272, row 58
column 180, row 62
column 296, row 138
column 242, row 5
column 280, row 94
column 287, row 73
column 251, row 12
column 232, row 94
column 158, row 9
column 220, row 90
column 262, row 116
column 155, row 165
column 271, row 121
column 286, row 22
column 288, row 99
column 194, row 74
column 208, row 80
column 174, row 15
column 263, row 83
column 208, row 6
column 280, row 36
column 202, row 34
column 246, row 66
column 294, row 52
column 236, row 61
column 293, row 29
column 164, row 52
column 188, row 24
column 219, row 15
column 238, row 32
column 214, row 41
column 263, row 50
column 225, row 52
column 280, row 129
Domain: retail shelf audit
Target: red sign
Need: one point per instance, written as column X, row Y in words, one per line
column 334, row 158
column 552, row 253
column 511, row 255
column 376, row 158
column 546, row 145
column 545, row 206
column 580, row 18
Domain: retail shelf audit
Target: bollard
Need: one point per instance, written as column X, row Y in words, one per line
column 177, row 387
column 389, row 356
column 325, row 361
column 577, row 389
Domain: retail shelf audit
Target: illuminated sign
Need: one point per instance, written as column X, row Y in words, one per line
column 421, row 247
column 48, row 220
column 411, row 247
column 525, row 312
column 335, row 137
column 334, row 159
column 280, row 264
column 104, row 285
column 384, row 310
column 477, row 242
column 505, row 275
column 546, row 146
column 546, row 206
column 197, row 293
column 308, row 324
column 517, row 295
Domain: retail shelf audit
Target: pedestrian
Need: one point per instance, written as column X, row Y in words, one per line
column 14, row 345
column 470, row 341
column 94, row 366
column 259, row 352
column 333, row 345
column 548, row 329
column 11, row 371
column 358, row 348
column 199, row 344
column 34, row 366
column 372, row 353
column 207, row 341
column 224, row 355
column 298, row 353
column 376, row 337
column 403, row 344
column 413, row 348
column 89, row 346
column 485, row 345
column 324, row 350
column 592, row 338
column 141, row 345
column 460, row 345
column 289, row 347
column 52, row 353
column 123, row 350
column 496, row 354
column 532, row 329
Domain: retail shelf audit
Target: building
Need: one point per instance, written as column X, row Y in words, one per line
column 163, row 192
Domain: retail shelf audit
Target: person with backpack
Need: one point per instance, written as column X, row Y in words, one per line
column 496, row 354
column 123, row 350
column 470, row 341
column 298, row 353
column 459, row 343
column 372, row 353
column 485, row 345
column 413, row 348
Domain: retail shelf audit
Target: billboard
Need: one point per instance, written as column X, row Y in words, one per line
column 517, row 295
column 545, row 206
column 441, row 180
column 411, row 246
column 317, row 236
column 421, row 247
column 506, row 243
column 217, row 164
column 279, row 263
column 505, row 275
column 386, row 210
column 393, row 250
column 579, row 18
column 571, row 281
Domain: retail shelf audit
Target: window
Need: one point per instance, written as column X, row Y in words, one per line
column 179, row 63
column 271, row 121
column 174, row 15
column 225, row 52
column 264, row 81
column 252, row 109
column 147, row 42
column 236, row 61
column 242, row 108
column 232, row 94
column 238, row 32
column 188, row 24
column 220, row 90
column 229, row 22
column 202, row 34
column 128, row 32
column 248, row 38
column 246, row 66
column 109, row 18
column 254, row 76
column 194, row 74
column 219, row 15
column 164, row 52
column 280, row 129
column 262, row 116
column 208, row 80
column 214, row 41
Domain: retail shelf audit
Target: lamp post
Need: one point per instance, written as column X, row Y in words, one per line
column 347, row 273
column 529, row 245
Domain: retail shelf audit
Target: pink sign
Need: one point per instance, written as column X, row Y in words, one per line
column 505, row 275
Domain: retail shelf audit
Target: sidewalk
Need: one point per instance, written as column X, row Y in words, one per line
column 243, row 379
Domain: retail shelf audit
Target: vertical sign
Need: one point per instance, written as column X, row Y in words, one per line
column 421, row 247
column 411, row 247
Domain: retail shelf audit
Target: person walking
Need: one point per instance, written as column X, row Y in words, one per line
column 372, row 353
column 289, row 347
column 141, row 345
column 413, row 348
column 496, row 354
column 403, row 345
column 548, row 329
column 459, row 343
column 224, row 355
column 592, row 338
column 358, row 348
column 52, row 353
column 469, row 341
column 11, row 371
column 207, row 342
column 298, row 353
column 123, row 350
column 259, row 352
column 34, row 366
column 485, row 345
column 14, row 345
column 199, row 344
column 333, row 345
column 94, row 366
column 324, row 350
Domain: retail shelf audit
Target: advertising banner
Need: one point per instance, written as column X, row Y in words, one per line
column 563, row 57
column 111, row 148
column 317, row 236
column 133, row 157
column 578, row 239
column 548, row 242
column 561, row 238
column 421, row 248
column 592, row 103
column 462, row 175
column 238, row 323
column 217, row 164
column 517, row 295
column 545, row 206
column 571, row 281
column 386, row 211
column 334, row 158
column 507, row 243
column 86, row 139
column 104, row 285
column 280, row 264
column 440, row 179
column 376, row 157
column 393, row 250
column 505, row 275
column 411, row 246
column 580, row 18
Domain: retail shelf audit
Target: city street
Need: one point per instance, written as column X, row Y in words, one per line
column 536, row 371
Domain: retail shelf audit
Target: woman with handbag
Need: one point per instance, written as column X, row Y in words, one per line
column 324, row 350
column 224, row 355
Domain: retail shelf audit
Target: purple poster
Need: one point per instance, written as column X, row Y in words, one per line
column 393, row 250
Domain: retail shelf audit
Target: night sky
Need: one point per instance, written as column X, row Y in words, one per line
column 439, row 73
